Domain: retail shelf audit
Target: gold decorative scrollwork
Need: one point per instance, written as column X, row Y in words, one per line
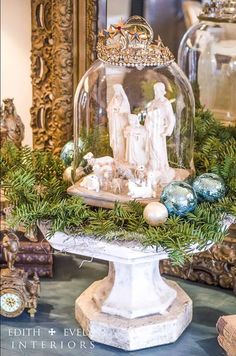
column 62, row 73
column 216, row 266
column 41, row 65
column 92, row 31
column 55, row 49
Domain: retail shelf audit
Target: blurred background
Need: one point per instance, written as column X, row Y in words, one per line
column 166, row 17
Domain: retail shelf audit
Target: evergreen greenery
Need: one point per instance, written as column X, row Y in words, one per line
column 33, row 184
column 215, row 149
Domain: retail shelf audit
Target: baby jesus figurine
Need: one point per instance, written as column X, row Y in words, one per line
column 135, row 137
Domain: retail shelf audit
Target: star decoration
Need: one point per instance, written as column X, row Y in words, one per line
column 120, row 28
column 102, row 33
column 138, row 35
column 111, row 32
column 135, row 35
column 159, row 42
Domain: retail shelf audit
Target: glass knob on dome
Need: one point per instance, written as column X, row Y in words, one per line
column 133, row 111
column 207, row 55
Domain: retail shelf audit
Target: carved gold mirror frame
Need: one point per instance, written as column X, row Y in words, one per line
column 63, row 47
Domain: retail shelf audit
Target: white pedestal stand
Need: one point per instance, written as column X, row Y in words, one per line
column 133, row 307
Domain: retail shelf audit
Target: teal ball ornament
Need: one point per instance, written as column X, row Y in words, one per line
column 67, row 152
column 209, row 187
column 179, row 198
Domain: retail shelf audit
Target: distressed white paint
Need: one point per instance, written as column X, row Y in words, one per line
column 133, row 334
column 133, row 307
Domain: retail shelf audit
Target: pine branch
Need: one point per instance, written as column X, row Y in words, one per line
column 33, row 184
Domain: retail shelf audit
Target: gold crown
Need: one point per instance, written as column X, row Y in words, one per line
column 131, row 44
column 219, row 11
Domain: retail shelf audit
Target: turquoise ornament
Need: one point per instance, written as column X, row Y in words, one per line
column 67, row 152
column 209, row 187
column 179, row 198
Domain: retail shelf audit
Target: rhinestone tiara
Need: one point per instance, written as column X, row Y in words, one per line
column 219, row 11
column 131, row 44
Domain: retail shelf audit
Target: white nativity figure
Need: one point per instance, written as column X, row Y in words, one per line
column 117, row 112
column 153, row 180
column 135, row 147
column 140, row 175
column 159, row 123
column 101, row 161
column 107, row 178
column 90, row 182
column 100, row 165
column 117, row 184
column 143, row 191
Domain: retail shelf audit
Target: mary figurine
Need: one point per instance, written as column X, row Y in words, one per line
column 117, row 111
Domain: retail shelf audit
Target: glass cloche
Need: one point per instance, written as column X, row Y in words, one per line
column 207, row 55
column 133, row 119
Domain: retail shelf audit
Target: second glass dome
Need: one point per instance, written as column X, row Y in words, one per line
column 207, row 55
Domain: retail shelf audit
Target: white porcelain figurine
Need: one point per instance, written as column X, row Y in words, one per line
column 140, row 175
column 91, row 182
column 101, row 161
column 159, row 123
column 135, row 139
column 140, row 160
column 117, row 111
column 153, row 179
column 143, row 191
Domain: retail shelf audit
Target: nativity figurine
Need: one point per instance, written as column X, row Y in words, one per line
column 144, row 191
column 91, row 182
column 13, row 123
column 135, row 142
column 140, row 161
column 117, row 112
column 159, row 124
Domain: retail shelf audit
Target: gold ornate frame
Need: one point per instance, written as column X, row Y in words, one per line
column 216, row 266
column 63, row 46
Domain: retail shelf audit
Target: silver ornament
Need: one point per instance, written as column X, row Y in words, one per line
column 155, row 214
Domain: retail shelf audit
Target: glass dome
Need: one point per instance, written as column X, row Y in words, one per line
column 207, row 55
column 133, row 119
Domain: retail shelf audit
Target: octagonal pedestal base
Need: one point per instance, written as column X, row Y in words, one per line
column 133, row 307
column 137, row 333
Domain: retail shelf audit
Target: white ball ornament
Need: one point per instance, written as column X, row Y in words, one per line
column 155, row 214
column 67, row 175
